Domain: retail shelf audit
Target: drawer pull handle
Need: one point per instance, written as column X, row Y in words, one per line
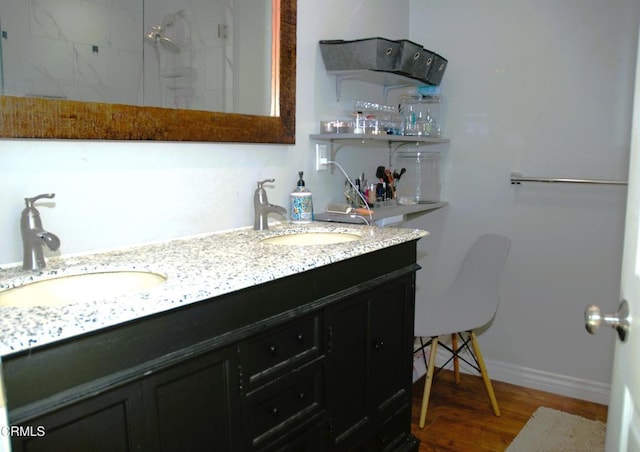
column 301, row 396
column 300, row 338
column 273, row 349
column 379, row 345
column 275, row 411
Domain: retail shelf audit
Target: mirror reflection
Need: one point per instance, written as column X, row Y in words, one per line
column 212, row 55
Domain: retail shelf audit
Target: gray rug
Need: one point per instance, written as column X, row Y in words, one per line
column 550, row 430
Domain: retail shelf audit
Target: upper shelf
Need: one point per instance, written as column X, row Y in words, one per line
column 388, row 80
column 363, row 138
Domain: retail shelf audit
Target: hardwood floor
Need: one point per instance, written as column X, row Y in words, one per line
column 460, row 418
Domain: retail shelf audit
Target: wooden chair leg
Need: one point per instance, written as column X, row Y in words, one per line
column 456, row 364
column 428, row 380
column 485, row 375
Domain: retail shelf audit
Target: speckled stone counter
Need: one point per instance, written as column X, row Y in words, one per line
column 197, row 268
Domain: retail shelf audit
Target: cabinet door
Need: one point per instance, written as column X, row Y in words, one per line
column 194, row 405
column 108, row 422
column 347, row 376
column 369, row 366
column 391, row 337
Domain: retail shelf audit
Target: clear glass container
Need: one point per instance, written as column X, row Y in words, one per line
column 421, row 115
column 420, row 183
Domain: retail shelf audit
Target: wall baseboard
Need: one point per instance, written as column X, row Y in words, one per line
column 529, row 378
column 564, row 385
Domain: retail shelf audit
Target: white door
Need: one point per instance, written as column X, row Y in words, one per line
column 623, row 423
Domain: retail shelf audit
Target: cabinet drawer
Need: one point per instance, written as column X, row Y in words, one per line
column 290, row 345
column 280, row 411
column 309, row 438
column 392, row 435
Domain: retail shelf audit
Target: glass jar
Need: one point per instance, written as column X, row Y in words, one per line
column 421, row 115
column 420, row 184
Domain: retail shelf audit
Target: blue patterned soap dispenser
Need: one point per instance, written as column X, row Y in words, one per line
column 301, row 207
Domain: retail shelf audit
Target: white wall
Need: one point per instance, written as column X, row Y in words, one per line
column 544, row 87
column 504, row 112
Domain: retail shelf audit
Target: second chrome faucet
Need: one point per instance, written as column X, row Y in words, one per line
column 262, row 207
column 34, row 237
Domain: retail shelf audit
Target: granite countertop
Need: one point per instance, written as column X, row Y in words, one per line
column 197, row 268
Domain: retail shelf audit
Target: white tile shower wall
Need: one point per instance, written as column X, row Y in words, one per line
column 252, row 56
column 205, row 74
column 76, row 48
column 92, row 52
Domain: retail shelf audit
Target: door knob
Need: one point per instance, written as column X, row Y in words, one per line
column 618, row 320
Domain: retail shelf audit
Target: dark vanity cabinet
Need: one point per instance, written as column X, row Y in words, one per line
column 181, row 407
column 369, row 370
column 317, row 361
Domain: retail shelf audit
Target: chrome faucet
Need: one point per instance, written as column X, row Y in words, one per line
column 34, row 237
column 262, row 208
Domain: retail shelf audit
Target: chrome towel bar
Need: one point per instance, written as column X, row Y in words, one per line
column 516, row 178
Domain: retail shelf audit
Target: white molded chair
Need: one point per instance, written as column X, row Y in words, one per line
column 470, row 303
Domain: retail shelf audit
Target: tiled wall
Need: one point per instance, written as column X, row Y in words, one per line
column 69, row 49
column 94, row 51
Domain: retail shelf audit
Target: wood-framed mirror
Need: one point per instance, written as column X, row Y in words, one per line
column 42, row 118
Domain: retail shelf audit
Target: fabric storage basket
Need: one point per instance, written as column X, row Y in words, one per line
column 436, row 69
column 413, row 60
column 377, row 54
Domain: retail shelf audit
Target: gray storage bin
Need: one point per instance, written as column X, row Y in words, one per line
column 436, row 70
column 414, row 60
column 378, row 54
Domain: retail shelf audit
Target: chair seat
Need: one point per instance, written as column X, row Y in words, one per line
column 451, row 313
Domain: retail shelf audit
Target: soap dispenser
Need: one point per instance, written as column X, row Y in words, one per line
column 301, row 203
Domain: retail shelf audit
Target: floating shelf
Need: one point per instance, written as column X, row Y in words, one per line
column 388, row 80
column 364, row 138
column 395, row 142
column 382, row 213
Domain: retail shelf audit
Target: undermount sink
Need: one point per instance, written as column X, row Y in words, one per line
column 68, row 289
column 312, row 238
